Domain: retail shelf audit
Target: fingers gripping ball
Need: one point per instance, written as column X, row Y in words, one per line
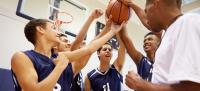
column 119, row 11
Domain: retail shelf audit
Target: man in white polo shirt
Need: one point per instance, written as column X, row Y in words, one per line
column 177, row 60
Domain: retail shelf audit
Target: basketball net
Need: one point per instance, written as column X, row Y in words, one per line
column 63, row 19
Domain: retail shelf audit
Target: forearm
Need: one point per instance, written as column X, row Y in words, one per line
column 133, row 53
column 140, row 13
column 93, row 46
column 138, row 10
column 82, row 34
column 103, row 32
column 121, row 54
column 147, row 86
column 182, row 86
column 80, row 64
column 96, row 44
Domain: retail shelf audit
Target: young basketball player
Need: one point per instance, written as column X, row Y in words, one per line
column 107, row 77
column 35, row 69
column 151, row 43
column 144, row 63
column 77, row 65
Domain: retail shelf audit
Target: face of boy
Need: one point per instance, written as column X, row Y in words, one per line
column 64, row 44
column 106, row 52
column 151, row 43
column 51, row 33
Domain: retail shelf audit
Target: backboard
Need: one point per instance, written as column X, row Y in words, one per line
column 47, row 9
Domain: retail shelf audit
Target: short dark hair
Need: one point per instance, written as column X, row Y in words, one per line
column 102, row 46
column 30, row 28
column 168, row 2
column 152, row 33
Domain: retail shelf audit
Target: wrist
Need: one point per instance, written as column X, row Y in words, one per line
column 132, row 5
column 144, row 85
column 91, row 17
column 59, row 68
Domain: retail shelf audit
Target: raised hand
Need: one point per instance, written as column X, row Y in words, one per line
column 97, row 13
column 127, row 2
column 108, row 22
column 116, row 28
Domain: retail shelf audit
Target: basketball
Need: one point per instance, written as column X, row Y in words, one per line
column 119, row 11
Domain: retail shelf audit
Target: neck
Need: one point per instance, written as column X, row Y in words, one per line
column 151, row 56
column 43, row 48
column 171, row 17
column 104, row 66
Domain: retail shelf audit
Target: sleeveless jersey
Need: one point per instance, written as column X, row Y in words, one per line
column 145, row 68
column 44, row 66
column 111, row 80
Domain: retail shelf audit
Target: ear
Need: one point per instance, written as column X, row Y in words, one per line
column 98, row 53
column 155, row 3
column 40, row 29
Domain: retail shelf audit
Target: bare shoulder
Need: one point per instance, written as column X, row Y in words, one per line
column 24, row 69
column 20, row 61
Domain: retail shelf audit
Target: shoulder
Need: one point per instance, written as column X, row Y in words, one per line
column 19, row 59
column 187, row 24
column 145, row 60
column 191, row 15
column 113, row 69
column 18, row 55
column 91, row 73
column 189, row 19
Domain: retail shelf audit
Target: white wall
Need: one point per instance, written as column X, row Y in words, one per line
column 12, row 37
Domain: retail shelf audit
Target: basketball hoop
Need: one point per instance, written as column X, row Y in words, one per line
column 63, row 18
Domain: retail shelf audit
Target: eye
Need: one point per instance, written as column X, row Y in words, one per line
column 105, row 49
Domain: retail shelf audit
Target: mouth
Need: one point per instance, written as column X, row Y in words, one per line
column 107, row 55
column 146, row 46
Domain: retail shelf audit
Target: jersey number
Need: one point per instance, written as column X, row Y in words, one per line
column 106, row 87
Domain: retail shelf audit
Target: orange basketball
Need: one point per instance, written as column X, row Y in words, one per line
column 118, row 10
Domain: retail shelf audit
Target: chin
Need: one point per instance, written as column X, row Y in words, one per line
column 147, row 50
column 108, row 59
column 67, row 49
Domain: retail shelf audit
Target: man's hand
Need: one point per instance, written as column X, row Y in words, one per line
column 97, row 13
column 116, row 28
column 108, row 23
column 61, row 61
column 133, row 80
column 127, row 2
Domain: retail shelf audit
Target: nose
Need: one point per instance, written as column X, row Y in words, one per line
column 69, row 44
column 146, row 42
column 107, row 50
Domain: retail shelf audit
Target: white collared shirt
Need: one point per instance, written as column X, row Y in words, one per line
column 178, row 57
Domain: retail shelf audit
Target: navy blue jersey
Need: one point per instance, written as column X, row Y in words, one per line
column 145, row 68
column 111, row 80
column 44, row 66
column 77, row 83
